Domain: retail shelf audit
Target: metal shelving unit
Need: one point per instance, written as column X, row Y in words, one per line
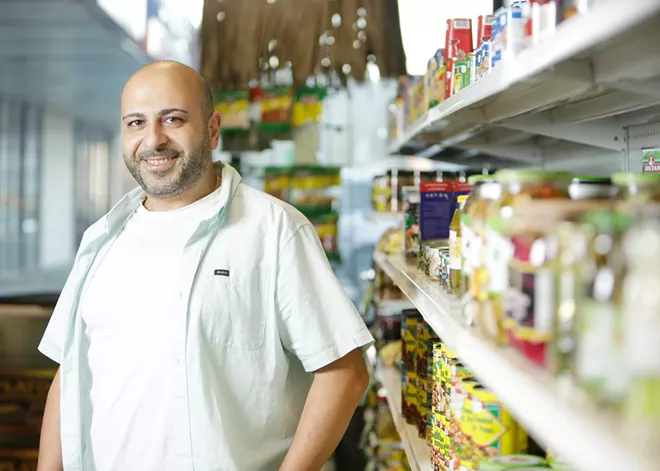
column 555, row 412
column 418, row 452
column 566, row 101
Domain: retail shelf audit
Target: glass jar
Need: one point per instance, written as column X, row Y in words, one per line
column 511, row 306
column 638, row 188
column 455, row 275
column 592, row 188
column 472, row 205
column 641, row 326
column 599, row 354
column 484, row 196
column 534, row 280
column 571, row 244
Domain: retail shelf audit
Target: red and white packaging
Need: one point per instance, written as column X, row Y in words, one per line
column 485, row 28
column 458, row 38
column 540, row 18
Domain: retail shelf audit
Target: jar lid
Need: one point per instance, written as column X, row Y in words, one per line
column 472, row 179
column 626, row 179
column 591, row 180
column 508, row 176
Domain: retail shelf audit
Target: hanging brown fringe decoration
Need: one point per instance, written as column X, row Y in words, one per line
column 236, row 35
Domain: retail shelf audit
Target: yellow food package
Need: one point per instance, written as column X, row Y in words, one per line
column 494, row 432
column 439, row 436
column 466, row 423
column 409, row 397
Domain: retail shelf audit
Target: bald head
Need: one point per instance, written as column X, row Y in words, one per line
column 178, row 73
column 169, row 128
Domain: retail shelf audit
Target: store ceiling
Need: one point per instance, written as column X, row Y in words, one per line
column 68, row 54
column 315, row 36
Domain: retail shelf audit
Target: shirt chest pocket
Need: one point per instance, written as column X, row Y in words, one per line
column 232, row 311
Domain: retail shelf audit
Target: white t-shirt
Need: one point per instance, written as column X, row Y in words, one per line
column 128, row 307
column 257, row 310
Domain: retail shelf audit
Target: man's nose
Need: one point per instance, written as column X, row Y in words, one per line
column 155, row 137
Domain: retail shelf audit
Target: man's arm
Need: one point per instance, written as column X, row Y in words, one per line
column 50, row 446
column 335, row 394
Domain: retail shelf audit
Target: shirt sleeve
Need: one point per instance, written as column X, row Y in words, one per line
column 318, row 322
column 52, row 342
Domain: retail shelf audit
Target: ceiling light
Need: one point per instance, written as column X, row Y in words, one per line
column 362, row 36
column 325, row 62
column 330, row 41
column 346, row 68
column 361, row 23
column 221, row 16
column 362, row 12
column 357, row 44
column 272, row 44
column 274, row 62
column 336, row 20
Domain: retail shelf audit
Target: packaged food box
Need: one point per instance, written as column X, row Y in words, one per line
column 495, row 432
column 508, row 33
column 276, row 106
column 460, row 74
column 412, row 318
column 483, row 59
column 438, row 79
column 449, row 78
column 439, row 431
column 435, row 210
column 430, row 378
column 458, row 38
column 422, row 336
column 472, row 68
column 412, row 223
column 485, row 28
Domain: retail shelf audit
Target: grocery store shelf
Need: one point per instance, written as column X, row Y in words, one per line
column 597, row 68
column 418, row 452
column 555, row 412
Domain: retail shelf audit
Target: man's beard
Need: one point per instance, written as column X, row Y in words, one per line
column 189, row 170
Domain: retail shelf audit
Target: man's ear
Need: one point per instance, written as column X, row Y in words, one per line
column 215, row 122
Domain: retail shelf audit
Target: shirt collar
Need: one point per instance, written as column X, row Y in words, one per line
column 119, row 214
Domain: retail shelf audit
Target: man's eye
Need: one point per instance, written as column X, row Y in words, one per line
column 135, row 122
column 173, row 119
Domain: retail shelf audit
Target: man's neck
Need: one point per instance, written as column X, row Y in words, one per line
column 207, row 185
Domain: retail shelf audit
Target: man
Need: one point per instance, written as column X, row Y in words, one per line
column 201, row 327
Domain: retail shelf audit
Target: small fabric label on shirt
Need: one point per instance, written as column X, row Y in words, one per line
column 221, row 272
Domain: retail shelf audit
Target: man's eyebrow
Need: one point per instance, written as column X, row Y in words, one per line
column 160, row 113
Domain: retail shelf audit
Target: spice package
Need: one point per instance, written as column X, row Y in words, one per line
column 234, row 107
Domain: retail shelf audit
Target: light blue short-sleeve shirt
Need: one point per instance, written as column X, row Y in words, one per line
column 247, row 341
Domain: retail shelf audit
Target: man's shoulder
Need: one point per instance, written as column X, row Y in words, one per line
column 270, row 210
